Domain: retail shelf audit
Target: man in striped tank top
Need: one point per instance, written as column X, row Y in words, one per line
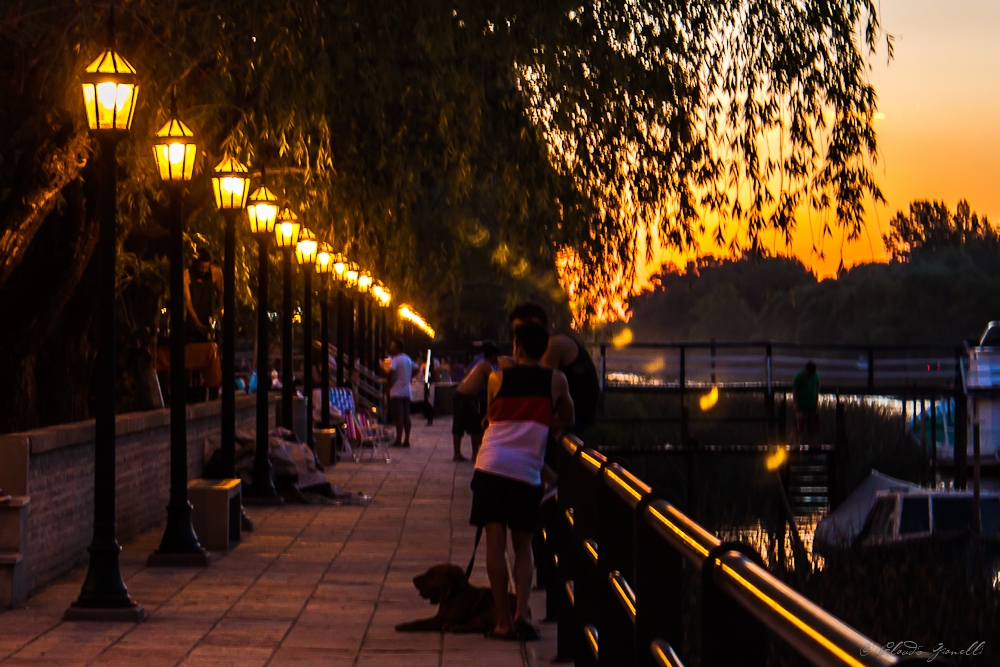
column 524, row 402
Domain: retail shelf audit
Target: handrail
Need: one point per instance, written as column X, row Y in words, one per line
column 734, row 574
column 816, row 634
column 625, row 484
column 591, row 633
column 843, row 347
column 664, row 654
column 623, row 592
column 687, row 537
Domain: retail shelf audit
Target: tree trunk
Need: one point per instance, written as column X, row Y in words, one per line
column 57, row 162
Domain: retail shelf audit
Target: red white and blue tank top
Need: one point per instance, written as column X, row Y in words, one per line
column 519, row 418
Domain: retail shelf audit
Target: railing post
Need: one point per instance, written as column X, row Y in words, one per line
column 871, row 370
column 658, row 589
column 730, row 635
column 585, row 533
column 569, row 632
column 837, row 460
column 769, row 398
column 615, row 533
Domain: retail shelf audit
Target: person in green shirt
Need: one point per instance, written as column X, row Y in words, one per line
column 805, row 396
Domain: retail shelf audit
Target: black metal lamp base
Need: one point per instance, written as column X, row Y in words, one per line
column 131, row 614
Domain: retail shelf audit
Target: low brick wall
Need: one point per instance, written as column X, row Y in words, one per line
column 60, row 479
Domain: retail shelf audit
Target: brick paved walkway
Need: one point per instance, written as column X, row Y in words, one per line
column 313, row 585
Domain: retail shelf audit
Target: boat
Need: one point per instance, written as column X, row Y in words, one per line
column 886, row 511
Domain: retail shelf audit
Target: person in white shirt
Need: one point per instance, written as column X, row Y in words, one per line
column 400, row 374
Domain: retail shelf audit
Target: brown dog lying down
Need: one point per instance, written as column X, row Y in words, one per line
column 463, row 607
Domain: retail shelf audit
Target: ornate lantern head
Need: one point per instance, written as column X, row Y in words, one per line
column 110, row 88
column 324, row 259
column 174, row 149
column 231, row 184
column 351, row 273
column 364, row 281
column 306, row 247
column 286, row 228
column 262, row 209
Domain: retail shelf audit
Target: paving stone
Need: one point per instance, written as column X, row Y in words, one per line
column 312, row 585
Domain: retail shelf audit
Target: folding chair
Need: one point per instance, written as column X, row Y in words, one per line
column 363, row 435
column 342, row 399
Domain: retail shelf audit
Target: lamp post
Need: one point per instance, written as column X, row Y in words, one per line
column 339, row 272
column 110, row 88
column 231, row 185
column 174, row 150
column 324, row 267
column 351, row 282
column 286, row 234
column 365, row 283
column 305, row 255
column 262, row 210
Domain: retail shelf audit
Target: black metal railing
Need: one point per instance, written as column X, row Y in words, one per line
column 613, row 563
column 771, row 367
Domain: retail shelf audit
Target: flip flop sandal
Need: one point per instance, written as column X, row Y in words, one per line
column 527, row 630
column 509, row 635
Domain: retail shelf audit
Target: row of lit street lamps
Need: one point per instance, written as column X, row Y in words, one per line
column 110, row 89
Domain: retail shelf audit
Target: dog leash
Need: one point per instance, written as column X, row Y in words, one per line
column 475, row 547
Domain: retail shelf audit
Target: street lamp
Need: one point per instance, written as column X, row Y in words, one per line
column 231, row 185
column 325, row 260
column 286, row 234
column 262, row 210
column 351, row 271
column 378, row 292
column 174, row 150
column 110, row 88
column 364, row 315
column 339, row 274
column 305, row 255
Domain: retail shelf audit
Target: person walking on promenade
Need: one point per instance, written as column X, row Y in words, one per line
column 566, row 354
column 469, row 395
column 525, row 402
column 400, row 374
column 805, row 397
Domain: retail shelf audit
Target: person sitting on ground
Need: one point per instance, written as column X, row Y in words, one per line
column 400, row 374
column 469, row 395
column 566, row 354
column 525, row 401
column 805, row 397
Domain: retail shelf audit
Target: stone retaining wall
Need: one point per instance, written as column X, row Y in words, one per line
column 60, row 479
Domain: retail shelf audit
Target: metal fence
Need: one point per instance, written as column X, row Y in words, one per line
column 756, row 366
column 612, row 557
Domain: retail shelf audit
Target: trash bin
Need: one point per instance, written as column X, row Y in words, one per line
column 326, row 446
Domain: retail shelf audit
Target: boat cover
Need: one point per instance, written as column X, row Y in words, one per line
column 841, row 527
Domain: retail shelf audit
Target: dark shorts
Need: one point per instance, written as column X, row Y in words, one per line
column 399, row 408
column 807, row 422
column 497, row 499
column 467, row 418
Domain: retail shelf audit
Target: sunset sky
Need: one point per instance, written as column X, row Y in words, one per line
column 939, row 136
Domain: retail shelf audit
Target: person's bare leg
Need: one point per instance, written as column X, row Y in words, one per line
column 524, row 570
column 408, row 423
column 397, row 419
column 496, row 570
column 458, row 448
column 477, row 442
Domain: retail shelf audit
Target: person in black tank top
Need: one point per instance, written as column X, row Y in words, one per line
column 566, row 354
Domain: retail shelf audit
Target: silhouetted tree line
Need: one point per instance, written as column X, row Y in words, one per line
column 941, row 285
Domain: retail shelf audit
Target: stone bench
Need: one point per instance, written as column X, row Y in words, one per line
column 217, row 506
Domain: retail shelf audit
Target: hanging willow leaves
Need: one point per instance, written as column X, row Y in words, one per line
column 545, row 123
